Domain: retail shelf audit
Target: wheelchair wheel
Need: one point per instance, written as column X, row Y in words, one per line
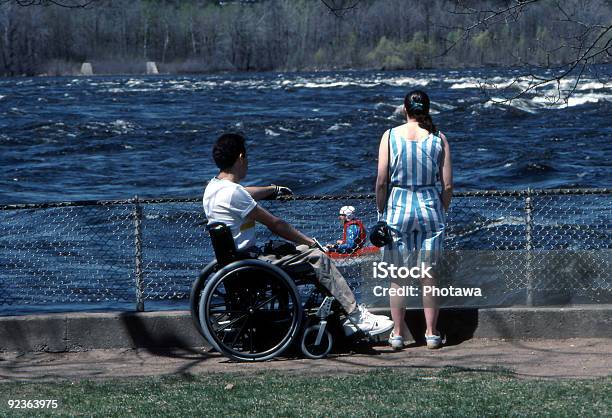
column 309, row 346
column 250, row 310
column 196, row 294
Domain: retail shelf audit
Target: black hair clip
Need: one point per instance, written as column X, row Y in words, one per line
column 416, row 105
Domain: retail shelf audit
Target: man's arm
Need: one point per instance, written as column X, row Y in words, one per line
column 261, row 192
column 278, row 226
column 268, row 192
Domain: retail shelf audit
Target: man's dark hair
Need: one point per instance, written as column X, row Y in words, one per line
column 227, row 149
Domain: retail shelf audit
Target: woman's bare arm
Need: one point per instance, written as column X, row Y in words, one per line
column 382, row 179
column 446, row 174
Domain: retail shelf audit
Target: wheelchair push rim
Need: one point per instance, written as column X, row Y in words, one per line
column 250, row 311
column 196, row 293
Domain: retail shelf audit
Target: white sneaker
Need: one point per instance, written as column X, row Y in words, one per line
column 434, row 341
column 367, row 322
column 397, row 342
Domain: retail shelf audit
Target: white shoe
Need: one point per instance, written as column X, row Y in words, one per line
column 434, row 341
column 397, row 342
column 367, row 322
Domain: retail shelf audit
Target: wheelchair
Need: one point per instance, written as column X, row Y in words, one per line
column 251, row 310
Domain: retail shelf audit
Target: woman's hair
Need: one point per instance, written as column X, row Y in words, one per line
column 417, row 107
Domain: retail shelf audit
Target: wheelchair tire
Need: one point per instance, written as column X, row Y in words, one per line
column 309, row 349
column 250, row 310
column 196, row 292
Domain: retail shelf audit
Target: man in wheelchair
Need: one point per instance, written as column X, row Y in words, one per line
column 226, row 201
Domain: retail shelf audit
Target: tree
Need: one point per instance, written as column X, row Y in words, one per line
column 207, row 35
column 581, row 38
column 578, row 44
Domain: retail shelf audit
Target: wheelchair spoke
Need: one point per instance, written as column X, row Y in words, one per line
column 251, row 339
column 230, row 323
column 233, row 343
column 228, row 311
column 222, row 314
column 265, row 302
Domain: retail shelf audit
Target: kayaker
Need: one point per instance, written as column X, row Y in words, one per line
column 354, row 234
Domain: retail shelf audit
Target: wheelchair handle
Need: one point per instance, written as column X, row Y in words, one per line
column 222, row 242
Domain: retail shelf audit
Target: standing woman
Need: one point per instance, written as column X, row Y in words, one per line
column 411, row 158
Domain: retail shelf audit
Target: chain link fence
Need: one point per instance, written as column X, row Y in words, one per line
column 520, row 247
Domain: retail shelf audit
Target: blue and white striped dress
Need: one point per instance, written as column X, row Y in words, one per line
column 414, row 207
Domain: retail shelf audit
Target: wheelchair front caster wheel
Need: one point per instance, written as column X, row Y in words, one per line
column 309, row 345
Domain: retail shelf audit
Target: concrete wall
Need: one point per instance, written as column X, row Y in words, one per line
column 86, row 331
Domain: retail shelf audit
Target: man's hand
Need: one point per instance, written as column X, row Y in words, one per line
column 317, row 244
column 270, row 192
column 281, row 191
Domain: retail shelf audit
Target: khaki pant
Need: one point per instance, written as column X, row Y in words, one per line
column 313, row 260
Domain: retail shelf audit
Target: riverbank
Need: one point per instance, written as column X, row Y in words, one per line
column 111, row 68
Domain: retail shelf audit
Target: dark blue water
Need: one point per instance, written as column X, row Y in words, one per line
column 116, row 137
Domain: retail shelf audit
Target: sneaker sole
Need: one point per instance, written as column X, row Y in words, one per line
column 381, row 330
column 434, row 346
column 399, row 345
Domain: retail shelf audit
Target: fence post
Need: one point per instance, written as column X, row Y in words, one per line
column 137, row 214
column 529, row 246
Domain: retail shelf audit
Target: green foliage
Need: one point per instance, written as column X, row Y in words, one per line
column 387, row 54
column 482, row 44
column 543, row 38
column 454, row 36
column 320, row 57
column 420, row 49
column 482, row 41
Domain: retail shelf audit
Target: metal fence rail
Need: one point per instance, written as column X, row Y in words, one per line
column 526, row 246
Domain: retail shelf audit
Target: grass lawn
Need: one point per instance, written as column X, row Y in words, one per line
column 382, row 392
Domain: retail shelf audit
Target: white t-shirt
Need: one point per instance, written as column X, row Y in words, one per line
column 230, row 203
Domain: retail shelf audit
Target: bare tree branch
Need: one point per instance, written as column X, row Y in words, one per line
column 592, row 42
column 340, row 7
column 70, row 4
column 491, row 17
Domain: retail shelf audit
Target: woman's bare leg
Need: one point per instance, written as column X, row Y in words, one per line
column 398, row 314
column 398, row 310
column 430, row 307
